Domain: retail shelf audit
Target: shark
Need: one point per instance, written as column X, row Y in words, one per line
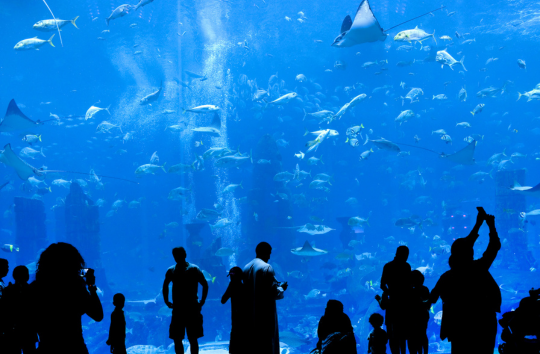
column 308, row 251
column 15, row 120
column 144, row 302
column 364, row 29
column 213, row 128
column 23, row 169
column 528, row 191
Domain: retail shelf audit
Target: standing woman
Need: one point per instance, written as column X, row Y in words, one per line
column 62, row 293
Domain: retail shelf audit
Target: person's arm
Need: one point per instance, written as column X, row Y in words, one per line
column 277, row 288
column 436, row 291
column 227, row 295
column 165, row 289
column 384, row 280
column 494, row 244
column 94, row 310
column 473, row 235
column 204, row 285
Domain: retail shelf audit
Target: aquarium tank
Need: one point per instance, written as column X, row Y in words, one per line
column 132, row 129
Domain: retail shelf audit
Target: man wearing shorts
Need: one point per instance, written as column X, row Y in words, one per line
column 186, row 316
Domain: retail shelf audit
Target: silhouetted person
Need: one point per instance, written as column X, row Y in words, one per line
column 235, row 291
column 186, row 314
column 262, row 291
column 378, row 337
column 335, row 331
column 117, row 330
column 4, row 270
column 470, row 295
column 20, row 334
column 62, row 293
column 418, row 314
column 395, row 285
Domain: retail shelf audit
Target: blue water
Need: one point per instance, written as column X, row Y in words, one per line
column 234, row 44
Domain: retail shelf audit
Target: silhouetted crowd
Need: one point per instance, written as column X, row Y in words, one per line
column 48, row 311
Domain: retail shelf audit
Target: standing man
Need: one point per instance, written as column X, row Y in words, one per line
column 186, row 316
column 261, row 291
column 395, row 283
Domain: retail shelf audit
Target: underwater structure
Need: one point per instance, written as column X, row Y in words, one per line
column 30, row 228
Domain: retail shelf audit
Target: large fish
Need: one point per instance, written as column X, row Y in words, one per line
column 120, row 11
column 151, row 97
column 51, row 25
column 22, row 168
column 365, row 28
column 15, row 120
column 308, row 251
column 212, row 129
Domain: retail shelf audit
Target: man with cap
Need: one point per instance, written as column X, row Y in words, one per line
column 261, row 291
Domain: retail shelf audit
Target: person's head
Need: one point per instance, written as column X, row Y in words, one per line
column 21, row 274
column 376, row 320
column 462, row 253
column 402, row 253
column 179, row 254
column 118, row 301
column 333, row 307
column 263, row 251
column 60, row 261
column 417, row 278
column 4, row 267
column 236, row 274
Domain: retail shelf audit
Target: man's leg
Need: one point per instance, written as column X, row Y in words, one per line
column 178, row 346
column 194, row 345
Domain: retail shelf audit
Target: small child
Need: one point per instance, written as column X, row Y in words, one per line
column 117, row 331
column 378, row 337
column 419, row 314
column 235, row 293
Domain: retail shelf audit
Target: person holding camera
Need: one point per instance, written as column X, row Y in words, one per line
column 62, row 293
column 471, row 297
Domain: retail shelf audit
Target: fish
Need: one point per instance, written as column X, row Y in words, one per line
column 358, row 221
column 32, row 43
column 479, row 107
column 53, row 25
column 462, row 95
column 31, row 153
column 404, row 116
column 120, row 11
column 308, row 251
column 142, row 3
column 213, row 129
column 148, row 169
column 446, row 59
column 283, row 100
column 224, row 252
column 151, row 97
column 208, row 108
column 521, row 63
column 93, row 110
column 233, row 160
column 414, row 35
column 364, row 29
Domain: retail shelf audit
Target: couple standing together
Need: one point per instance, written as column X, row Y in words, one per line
column 255, row 321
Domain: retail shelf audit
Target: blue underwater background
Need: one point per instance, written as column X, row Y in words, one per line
column 237, row 47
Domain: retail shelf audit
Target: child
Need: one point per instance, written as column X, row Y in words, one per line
column 117, row 331
column 418, row 314
column 235, row 293
column 378, row 337
column 21, row 336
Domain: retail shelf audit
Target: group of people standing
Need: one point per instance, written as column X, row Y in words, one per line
column 471, row 298
column 50, row 308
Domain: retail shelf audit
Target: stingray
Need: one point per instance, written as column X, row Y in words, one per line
column 308, row 251
column 528, row 191
column 15, row 120
column 23, row 169
column 365, row 28
column 464, row 156
column 213, row 129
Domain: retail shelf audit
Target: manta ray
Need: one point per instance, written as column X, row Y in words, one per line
column 308, row 251
column 364, row 29
column 464, row 156
column 15, row 120
column 213, row 129
column 23, row 169
column 528, row 191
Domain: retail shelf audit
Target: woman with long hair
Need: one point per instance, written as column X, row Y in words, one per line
column 63, row 291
